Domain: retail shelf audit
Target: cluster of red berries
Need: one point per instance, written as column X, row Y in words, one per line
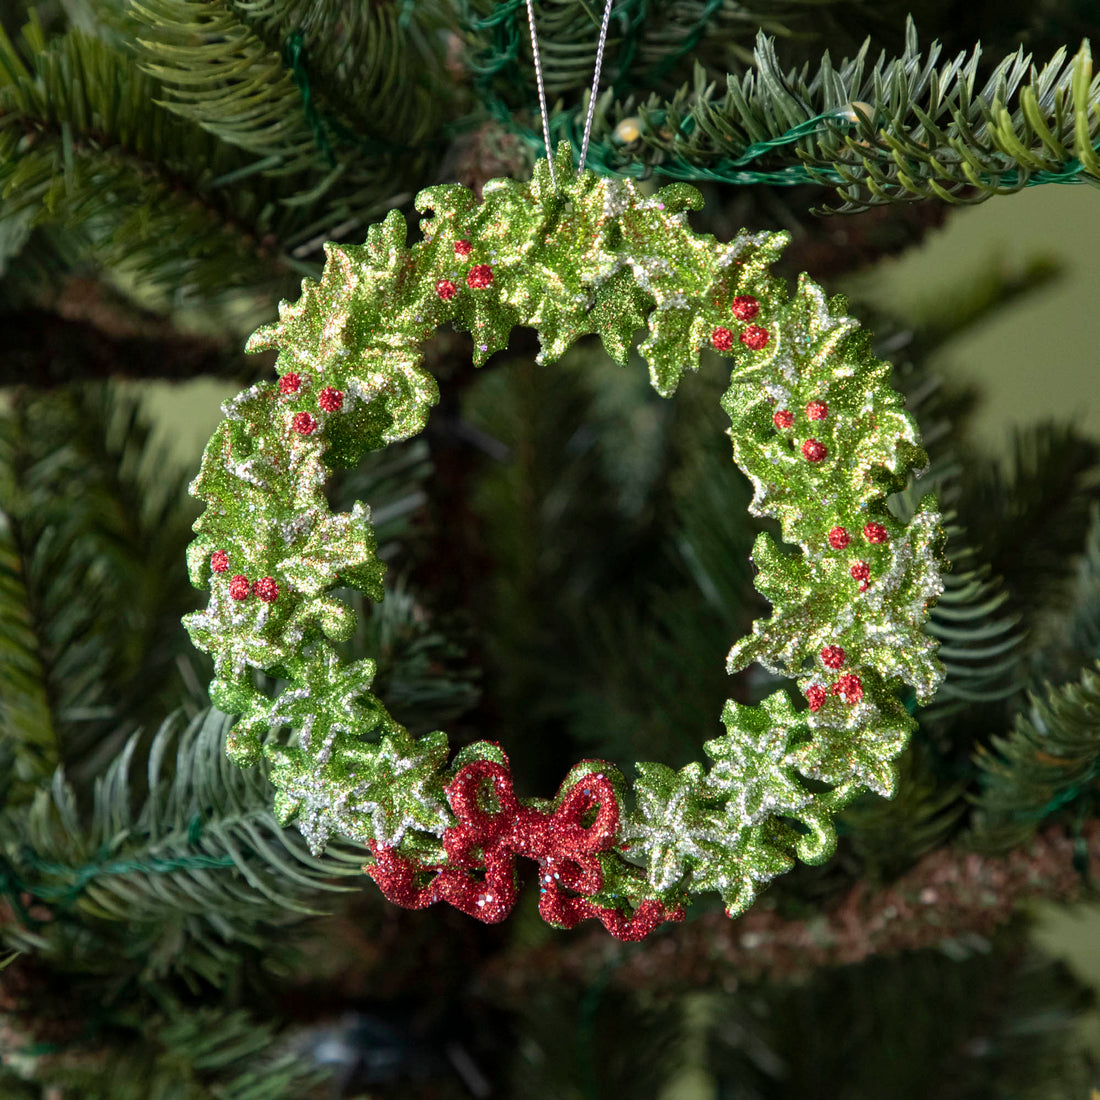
column 744, row 307
column 849, row 686
column 813, row 450
column 874, row 533
column 329, row 399
column 240, row 588
column 477, row 278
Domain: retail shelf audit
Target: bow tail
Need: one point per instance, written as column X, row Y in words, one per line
column 396, row 877
column 566, row 911
column 490, row 899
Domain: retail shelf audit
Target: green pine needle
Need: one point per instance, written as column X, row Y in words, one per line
column 899, row 130
column 1049, row 759
column 195, row 863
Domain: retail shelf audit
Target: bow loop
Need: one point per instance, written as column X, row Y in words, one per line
column 467, row 793
column 588, row 792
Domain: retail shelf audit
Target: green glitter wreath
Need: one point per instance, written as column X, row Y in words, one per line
column 815, row 426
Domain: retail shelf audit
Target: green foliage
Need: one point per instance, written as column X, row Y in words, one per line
column 1084, row 624
column 85, row 145
column 902, row 129
column 182, row 1053
column 1030, row 516
column 27, row 744
column 1046, row 761
column 889, row 837
column 96, row 525
column 194, row 149
column 651, row 45
column 980, row 646
column 282, row 77
column 174, row 881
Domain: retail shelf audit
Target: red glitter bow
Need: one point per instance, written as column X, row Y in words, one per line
column 567, row 852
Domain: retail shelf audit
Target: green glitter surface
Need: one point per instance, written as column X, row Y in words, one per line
column 592, row 256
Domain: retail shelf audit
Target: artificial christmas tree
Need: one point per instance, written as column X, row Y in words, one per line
column 568, row 557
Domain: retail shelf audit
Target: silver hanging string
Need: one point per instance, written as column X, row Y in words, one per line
column 542, row 91
column 595, row 82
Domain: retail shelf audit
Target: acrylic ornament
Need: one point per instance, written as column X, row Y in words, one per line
column 815, row 426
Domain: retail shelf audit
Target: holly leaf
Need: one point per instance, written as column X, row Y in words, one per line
column 752, row 774
column 621, row 309
column 670, row 822
column 377, row 792
column 670, row 348
column 736, row 869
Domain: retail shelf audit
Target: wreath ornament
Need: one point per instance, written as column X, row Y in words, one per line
column 815, row 426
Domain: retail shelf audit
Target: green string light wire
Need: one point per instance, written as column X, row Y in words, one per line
column 13, row 886
column 1062, row 798
column 82, row 876
column 503, row 23
column 294, row 49
column 321, row 123
column 602, row 154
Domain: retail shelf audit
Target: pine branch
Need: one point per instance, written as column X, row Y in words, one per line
column 649, row 44
column 424, row 675
column 41, row 263
column 177, row 1053
column 1067, row 634
column 948, row 898
column 1046, row 761
column 1084, row 627
column 1029, row 521
column 980, row 645
column 198, row 864
column 290, row 79
column 28, row 749
column 982, row 642
column 80, row 146
column 888, row 837
column 102, row 530
column 903, row 129
column 84, row 145
column 637, row 701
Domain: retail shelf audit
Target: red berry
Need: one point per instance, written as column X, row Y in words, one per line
column 239, row 587
column 817, row 410
column 266, row 589
column 446, row 289
column 754, row 337
column 289, row 383
column 463, row 249
column 816, row 695
column 330, row 399
column 839, row 538
column 219, row 561
column 783, row 419
column 850, row 688
column 480, row 275
column 722, row 339
column 875, row 532
column 303, row 423
column 745, row 307
column 860, row 571
column 832, row 656
column 813, row 450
